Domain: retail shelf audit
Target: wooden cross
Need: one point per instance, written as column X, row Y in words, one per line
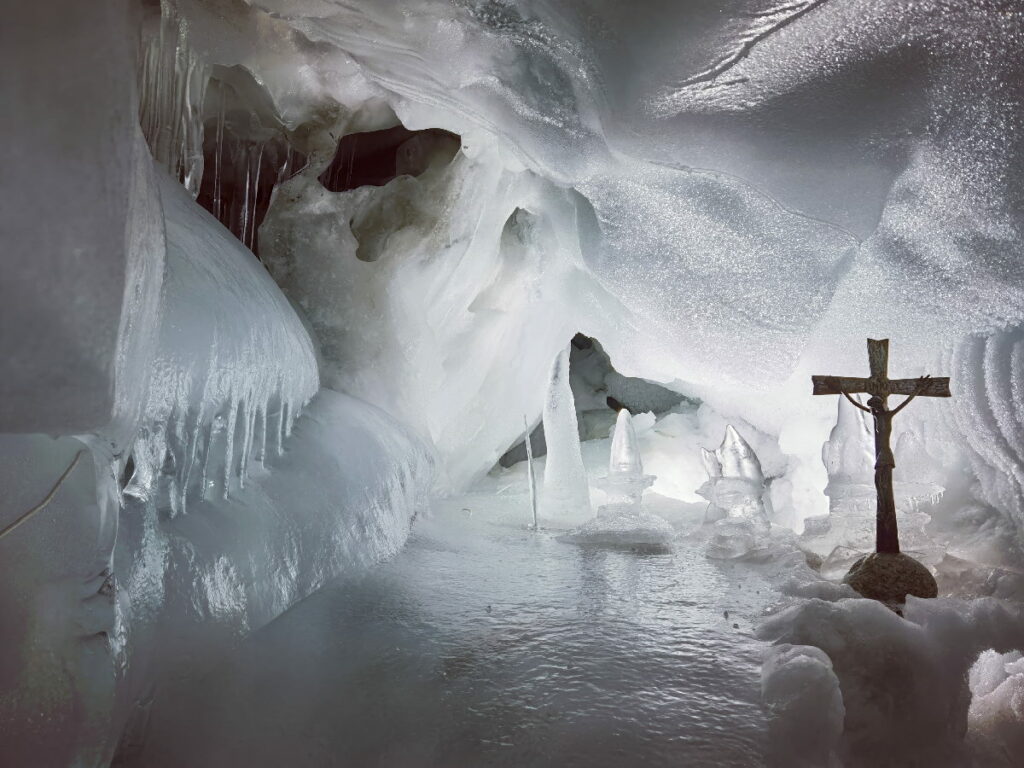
column 879, row 386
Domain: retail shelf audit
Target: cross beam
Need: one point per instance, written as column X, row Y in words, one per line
column 880, row 386
column 879, row 383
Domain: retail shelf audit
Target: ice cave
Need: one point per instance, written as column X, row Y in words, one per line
column 463, row 383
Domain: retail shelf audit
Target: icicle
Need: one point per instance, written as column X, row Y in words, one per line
column 172, row 87
column 624, row 459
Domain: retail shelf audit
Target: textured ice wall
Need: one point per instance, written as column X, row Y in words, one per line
column 429, row 303
column 234, row 365
column 989, row 370
column 755, row 191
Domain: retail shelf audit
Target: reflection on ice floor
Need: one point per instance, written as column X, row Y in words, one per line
column 484, row 643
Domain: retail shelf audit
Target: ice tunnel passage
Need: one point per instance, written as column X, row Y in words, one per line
column 277, row 510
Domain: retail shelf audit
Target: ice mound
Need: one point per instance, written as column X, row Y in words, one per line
column 904, row 681
column 801, row 693
column 624, row 526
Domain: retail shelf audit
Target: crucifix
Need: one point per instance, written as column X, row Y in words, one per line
column 879, row 386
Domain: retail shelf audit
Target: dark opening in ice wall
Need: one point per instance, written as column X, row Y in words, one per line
column 376, row 157
column 213, row 127
column 599, row 392
column 246, row 153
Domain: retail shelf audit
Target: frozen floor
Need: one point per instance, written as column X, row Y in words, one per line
column 484, row 643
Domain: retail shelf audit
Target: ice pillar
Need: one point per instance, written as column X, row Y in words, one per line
column 566, row 492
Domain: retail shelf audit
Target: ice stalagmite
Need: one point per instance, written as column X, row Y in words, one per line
column 624, row 460
column 626, row 481
column 566, row 493
column 623, row 521
column 736, row 490
column 848, row 454
column 738, row 459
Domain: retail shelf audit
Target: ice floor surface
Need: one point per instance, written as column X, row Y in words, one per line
column 484, row 643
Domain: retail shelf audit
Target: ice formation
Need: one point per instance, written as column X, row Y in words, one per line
column 727, row 200
column 624, row 521
column 906, row 706
column 626, row 481
column 566, row 493
column 736, row 495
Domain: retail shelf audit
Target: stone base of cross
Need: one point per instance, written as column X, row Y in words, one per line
column 887, row 575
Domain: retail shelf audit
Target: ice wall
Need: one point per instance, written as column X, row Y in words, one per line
column 429, row 304
column 233, row 369
column 77, row 300
column 751, row 195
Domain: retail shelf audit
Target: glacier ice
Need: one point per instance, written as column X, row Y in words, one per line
column 233, row 367
column 566, row 493
column 726, row 198
column 736, row 485
column 626, row 480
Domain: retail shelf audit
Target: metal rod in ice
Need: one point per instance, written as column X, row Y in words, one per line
column 530, row 476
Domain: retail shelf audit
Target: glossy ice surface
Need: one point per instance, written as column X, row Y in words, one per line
column 484, row 643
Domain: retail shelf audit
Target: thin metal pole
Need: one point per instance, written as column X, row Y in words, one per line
column 532, row 477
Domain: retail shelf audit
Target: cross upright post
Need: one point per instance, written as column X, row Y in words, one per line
column 879, row 386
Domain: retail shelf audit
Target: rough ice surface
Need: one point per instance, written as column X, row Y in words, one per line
column 996, row 717
column 566, row 493
column 909, row 705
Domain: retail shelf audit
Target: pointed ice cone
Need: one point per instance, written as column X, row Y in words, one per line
column 624, row 460
column 737, row 458
column 849, row 452
column 566, row 491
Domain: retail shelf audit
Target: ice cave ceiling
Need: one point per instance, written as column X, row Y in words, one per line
column 318, row 253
